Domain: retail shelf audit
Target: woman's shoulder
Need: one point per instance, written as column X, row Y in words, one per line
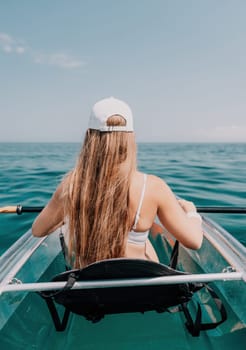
column 154, row 182
column 63, row 187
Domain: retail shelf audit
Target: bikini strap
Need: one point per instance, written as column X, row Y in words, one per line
column 140, row 203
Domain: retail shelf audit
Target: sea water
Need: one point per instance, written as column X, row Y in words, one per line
column 208, row 174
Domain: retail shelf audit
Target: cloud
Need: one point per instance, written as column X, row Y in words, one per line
column 58, row 59
column 10, row 45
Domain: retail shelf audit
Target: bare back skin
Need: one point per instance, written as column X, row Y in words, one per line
column 158, row 200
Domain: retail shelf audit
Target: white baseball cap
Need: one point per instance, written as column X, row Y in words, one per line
column 106, row 108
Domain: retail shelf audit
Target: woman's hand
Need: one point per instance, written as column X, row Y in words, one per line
column 187, row 206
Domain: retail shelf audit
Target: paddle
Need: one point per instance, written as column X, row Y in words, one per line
column 218, row 210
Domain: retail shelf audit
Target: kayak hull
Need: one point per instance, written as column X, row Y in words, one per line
column 25, row 322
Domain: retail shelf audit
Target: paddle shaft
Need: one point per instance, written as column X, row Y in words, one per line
column 19, row 209
column 217, row 210
column 222, row 210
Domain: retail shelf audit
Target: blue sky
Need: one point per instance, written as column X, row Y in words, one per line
column 180, row 64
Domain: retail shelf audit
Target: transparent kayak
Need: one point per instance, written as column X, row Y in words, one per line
column 29, row 265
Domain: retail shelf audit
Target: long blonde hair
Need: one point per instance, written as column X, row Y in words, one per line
column 96, row 197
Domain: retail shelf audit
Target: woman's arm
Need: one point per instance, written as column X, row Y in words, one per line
column 178, row 217
column 51, row 217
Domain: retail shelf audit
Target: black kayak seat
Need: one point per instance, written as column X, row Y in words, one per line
column 95, row 303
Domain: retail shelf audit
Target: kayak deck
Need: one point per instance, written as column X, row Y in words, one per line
column 148, row 331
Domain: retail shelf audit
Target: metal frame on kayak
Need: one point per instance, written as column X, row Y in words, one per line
column 43, row 286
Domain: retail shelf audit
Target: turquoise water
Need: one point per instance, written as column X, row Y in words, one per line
column 208, row 174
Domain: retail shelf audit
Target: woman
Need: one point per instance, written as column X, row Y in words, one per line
column 107, row 204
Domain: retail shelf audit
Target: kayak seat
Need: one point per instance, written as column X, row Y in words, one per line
column 95, row 303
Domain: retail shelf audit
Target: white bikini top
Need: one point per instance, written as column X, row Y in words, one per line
column 138, row 238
